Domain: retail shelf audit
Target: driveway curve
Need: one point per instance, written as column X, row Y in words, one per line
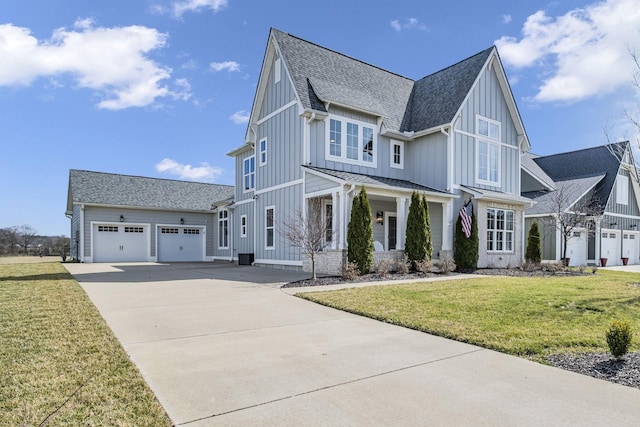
column 221, row 344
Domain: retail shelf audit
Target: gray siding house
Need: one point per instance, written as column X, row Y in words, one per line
column 324, row 125
column 122, row 218
column 603, row 177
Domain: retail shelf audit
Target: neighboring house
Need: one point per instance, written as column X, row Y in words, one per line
column 603, row 179
column 324, row 125
column 117, row 218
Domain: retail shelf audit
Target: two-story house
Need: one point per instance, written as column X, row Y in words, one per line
column 323, row 125
column 599, row 188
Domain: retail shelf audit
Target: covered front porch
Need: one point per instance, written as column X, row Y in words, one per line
column 329, row 197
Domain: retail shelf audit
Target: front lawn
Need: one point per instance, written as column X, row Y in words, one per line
column 60, row 363
column 525, row 316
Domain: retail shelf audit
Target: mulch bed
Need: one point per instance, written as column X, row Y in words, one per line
column 625, row 371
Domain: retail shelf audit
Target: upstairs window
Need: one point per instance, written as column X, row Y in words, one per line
column 263, row 152
column 622, row 190
column 397, row 154
column 351, row 141
column 249, row 173
column 488, row 134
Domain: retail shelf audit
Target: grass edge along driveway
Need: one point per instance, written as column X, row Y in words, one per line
column 523, row 316
column 61, row 364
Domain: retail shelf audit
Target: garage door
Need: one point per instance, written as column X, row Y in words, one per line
column 577, row 248
column 630, row 247
column 610, row 246
column 120, row 243
column 180, row 244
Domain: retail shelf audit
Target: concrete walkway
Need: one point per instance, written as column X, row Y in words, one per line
column 223, row 345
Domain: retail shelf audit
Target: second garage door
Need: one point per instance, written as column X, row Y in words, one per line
column 180, row 244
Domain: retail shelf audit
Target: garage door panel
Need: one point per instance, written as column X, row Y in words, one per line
column 120, row 243
column 577, row 248
column 610, row 246
column 180, row 244
column 630, row 247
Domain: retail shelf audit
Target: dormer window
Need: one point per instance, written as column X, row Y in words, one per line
column 351, row 141
column 488, row 139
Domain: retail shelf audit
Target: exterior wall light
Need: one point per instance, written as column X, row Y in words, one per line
column 121, row 218
column 380, row 217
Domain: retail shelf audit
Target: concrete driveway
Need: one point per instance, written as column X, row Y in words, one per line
column 223, row 345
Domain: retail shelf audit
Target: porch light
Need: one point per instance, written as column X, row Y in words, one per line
column 182, row 221
column 121, row 218
column 380, row 217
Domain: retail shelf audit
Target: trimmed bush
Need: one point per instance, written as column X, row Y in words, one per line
column 427, row 218
column 534, row 245
column 416, row 236
column 466, row 249
column 360, row 234
column 619, row 338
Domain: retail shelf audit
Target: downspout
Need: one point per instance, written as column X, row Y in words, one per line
column 82, row 231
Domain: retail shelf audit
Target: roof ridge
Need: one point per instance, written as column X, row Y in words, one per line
column 149, row 177
column 343, row 55
column 582, row 149
column 457, row 63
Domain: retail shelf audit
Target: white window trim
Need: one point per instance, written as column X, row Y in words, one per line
column 276, row 71
column 392, row 145
column 221, row 220
column 343, row 143
column 243, row 226
column 265, row 151
column 244, row 175
column 489, row 141
column 273, row 227
column 504, row 231
column 622, row 189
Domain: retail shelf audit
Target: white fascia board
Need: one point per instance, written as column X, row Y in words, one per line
column 236, row 151
column 142, row 208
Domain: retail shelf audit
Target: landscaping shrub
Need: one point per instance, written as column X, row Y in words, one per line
column 349, row 270
column 360, row 234
column 403, row 266
column 619, row 338
column 424, row 266
column 447, row 264
column 416, row 234
column 534, row 245
column 466, row 249
column 384, row 267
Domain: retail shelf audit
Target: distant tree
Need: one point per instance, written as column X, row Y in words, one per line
column 311, row 231
column 26, row 235
column 360, row 234
column 9, row 239
column 534, row 245
column 466, row 248
column 60, row 245
column 416, row 237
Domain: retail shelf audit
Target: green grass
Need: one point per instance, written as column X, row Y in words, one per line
column 525, row 316
column 60, row 363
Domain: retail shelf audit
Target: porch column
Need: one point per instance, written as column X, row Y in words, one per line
column 401, row 225
column 335, row 220
column 447, row 226
column 343, row 219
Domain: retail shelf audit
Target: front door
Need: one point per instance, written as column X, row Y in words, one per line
column 392, row 224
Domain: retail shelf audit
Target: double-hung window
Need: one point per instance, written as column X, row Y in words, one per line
column 243, row 226
column 397, row 154
column 488, row 134
column 269, row 229
column 500, row 230
column 249, row 173
column 223, row 229
column 351, row 141
column 622, row 189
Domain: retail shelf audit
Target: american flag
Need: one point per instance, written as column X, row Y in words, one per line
column 465, row 216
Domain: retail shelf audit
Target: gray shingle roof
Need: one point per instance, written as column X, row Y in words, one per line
column 546, row 202
column 589, row 162
column 528, row 163
column 361, row 179
column 320, row 74
column 136, row 191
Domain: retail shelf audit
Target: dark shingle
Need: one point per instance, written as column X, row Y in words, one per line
column 136, row 191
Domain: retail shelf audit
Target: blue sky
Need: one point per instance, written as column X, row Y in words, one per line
column 163, row 88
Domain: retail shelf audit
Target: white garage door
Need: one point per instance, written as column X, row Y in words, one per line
column 577, row 248
column 610, row 246
column 630, row 247
column 180, row 244
column 120, row 243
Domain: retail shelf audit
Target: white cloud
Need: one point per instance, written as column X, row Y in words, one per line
column 240, row 117
column 409, row 24
column 229, row 66
column 582, row 53
column 111, row 61
column 181, row 7
column 506, row 19
column 205, row 172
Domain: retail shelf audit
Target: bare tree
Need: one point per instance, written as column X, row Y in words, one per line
column 569, row 214
column 27, row 236
column 9, row 239
column 311, row 231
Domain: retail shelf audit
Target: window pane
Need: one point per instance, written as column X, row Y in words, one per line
column 328, row 212
column 509, row 224
column 494, row 131
column 483, row 161
column 493, row 162
column 269, row 217
column 489, row 240
column 367, row 138
column 491, row 215
column 270, row 237
column 352, row 141
column 396, row 154
column 483, row 127
column 335, row 138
